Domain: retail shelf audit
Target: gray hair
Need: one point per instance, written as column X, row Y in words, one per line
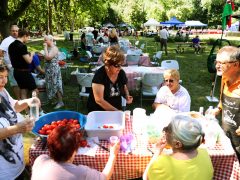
column 186, row 129
column 172, row 72
column 228, row 54
column 49, row 37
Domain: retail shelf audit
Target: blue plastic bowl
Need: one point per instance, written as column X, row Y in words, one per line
column 55, row 116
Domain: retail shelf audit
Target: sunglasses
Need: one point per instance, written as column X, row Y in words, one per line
column 117, row 65
column 169, row 80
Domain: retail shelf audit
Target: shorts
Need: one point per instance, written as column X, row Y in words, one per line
column 11, row 78
column 25, row 80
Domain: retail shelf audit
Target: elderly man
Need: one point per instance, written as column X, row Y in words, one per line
column 228, row 66
column 4, row 52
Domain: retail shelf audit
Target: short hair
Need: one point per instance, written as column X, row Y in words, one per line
column 172, row 72
column 113, row 55
column 62, row 142
column 3, row 66
column 49, row 37
column 23, row 32
column 14, row 26
column 187, row 130
column 228, row 54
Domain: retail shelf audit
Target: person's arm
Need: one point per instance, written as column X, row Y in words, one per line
column 127, row 95
column 23, row 104
column 98, row 93
column 40, row 70
column 21, row 127
column 160, row 146
column 108, row 170
column 28, row 57
column 156, row 105
column 50, row 55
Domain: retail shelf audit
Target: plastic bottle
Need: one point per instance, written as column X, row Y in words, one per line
column 34, row 108
column 201, row 109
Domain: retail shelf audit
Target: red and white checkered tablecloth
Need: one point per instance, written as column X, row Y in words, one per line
column 130, row 166
column 133, row 72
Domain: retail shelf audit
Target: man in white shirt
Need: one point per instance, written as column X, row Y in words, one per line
column 4, row 53
column 163, row 38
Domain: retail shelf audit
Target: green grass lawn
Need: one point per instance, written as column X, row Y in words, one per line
column 193, row 70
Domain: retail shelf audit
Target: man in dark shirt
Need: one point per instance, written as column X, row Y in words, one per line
column 20, row 59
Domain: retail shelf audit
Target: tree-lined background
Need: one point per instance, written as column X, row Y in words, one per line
column 60, row 15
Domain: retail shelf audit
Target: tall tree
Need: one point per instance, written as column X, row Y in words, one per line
column 10, row 12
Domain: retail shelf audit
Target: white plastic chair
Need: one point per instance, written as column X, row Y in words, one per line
column 170, row 64
column 84, row 81
column 150, row 84
column 132, row 59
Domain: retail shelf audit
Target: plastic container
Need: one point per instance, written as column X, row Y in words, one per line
column 97, row 119
column 55, row 116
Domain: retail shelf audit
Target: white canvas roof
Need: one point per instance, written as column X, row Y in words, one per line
column 194, row 23
column 152, row 22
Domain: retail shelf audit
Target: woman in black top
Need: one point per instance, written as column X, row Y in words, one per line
column 109, row 83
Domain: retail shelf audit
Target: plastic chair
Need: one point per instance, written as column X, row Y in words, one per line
column 85, row 83
column 150, row 84
column 132, row 59
column 156, row 58
column 170, row 64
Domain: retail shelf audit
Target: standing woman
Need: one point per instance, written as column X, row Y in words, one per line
column 52, row 71
column 109, row 83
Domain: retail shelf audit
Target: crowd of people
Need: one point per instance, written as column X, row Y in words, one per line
column 109, row 85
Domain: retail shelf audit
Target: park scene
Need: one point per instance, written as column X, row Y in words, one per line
column 123, row 90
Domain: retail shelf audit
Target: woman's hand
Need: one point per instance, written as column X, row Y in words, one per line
column 129, row 99
column 24, row 126
column 34, row 100
column 115, row 148
column 161, row 144
column 45, row 45
column 238, row 131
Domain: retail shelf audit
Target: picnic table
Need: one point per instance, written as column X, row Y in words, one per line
column 182, row 46
column 132, row 165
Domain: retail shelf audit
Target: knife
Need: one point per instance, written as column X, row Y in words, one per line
column 101, row 146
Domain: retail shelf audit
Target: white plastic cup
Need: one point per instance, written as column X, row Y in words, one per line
column 113, row 140
column 127, row 115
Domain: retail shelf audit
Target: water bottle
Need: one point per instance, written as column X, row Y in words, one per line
column 34, row 108
column 201, row 109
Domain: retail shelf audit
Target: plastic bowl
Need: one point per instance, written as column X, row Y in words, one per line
column 55, row 116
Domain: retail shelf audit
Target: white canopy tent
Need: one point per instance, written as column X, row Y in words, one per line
column 152, row 22
column 194, row 23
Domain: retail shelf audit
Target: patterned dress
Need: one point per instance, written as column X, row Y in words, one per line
column 53, row 77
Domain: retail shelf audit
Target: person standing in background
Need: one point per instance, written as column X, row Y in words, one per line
column 20, row 59
column 89, row 40
column 4, row 53
column 163, row 38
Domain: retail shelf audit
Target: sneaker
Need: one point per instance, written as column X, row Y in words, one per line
column 59, row 105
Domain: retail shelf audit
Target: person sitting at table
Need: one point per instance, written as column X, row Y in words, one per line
column 113, row 37
column 196, row 44
column 172, row 95
column 109, row 83
column 184, row 135
column 12, row 126
column 63, row 143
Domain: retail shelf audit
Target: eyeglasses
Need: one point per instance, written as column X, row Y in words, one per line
column 169, row 80
column 221, row 63
column 117, row 65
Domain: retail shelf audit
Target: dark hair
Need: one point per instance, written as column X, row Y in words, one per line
column 3, row 66
column 22, row 32
column 113, row 55
column 62, row 142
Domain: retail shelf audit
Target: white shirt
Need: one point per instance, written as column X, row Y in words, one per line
column 164, row 34
column 4, row 46
column 179, row 102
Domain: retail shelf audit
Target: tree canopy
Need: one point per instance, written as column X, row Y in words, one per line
column 60, row 15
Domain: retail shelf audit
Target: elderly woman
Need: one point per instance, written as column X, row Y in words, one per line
column 184, row 134
column 172, row 95
column 63, row 144
column 52, row 71
column 109, row 83
column 12, row 126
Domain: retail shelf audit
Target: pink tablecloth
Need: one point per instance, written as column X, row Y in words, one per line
column 129, row 166
column 144, row 60
column 133, row 72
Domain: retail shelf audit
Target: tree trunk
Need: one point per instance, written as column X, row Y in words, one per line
column 7, row 19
